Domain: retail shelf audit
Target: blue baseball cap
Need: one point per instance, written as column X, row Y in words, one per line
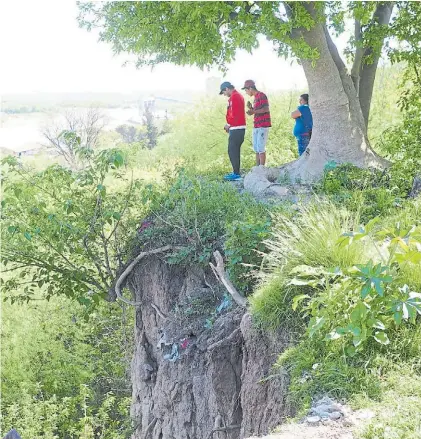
column 225, row 85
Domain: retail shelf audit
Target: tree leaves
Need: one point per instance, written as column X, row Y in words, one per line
column 59, row 230
column 381, row 337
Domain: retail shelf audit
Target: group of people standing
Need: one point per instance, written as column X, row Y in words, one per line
column 236, row 123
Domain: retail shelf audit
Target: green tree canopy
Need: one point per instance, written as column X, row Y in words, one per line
column 209, row 33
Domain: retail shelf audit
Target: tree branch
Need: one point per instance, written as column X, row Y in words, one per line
column 24, row 259
column 358, row 58
column 381, row 17
column 159, row 312
column 106, row 255
column 335, row 53
column 224, row 341
column 295, row 33
column 417, row 74
column 122, row 212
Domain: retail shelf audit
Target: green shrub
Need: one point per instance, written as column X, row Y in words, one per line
column 62, row 374
column 369, row 192
column 244, row 249
column 402, row 143
column 200, row 215
column 62, row 230
column 382, row 377
column 271, row 306
column 367, row 300
column 317, row 370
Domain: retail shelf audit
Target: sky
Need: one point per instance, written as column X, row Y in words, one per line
column 44, row 51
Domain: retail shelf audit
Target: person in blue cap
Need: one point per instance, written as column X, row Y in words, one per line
column 235, row 127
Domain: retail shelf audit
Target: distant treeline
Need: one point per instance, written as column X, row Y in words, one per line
column 26, row 109
column 23, row 110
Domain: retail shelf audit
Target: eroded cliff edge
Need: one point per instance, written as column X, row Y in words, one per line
column 200, row 367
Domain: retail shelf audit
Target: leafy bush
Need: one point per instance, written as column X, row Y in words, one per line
column 130, row 134
column 402, row 143
column 197, row 215
column 63, row 376
column 381, row 377
column 244, row 249
column 366, row 300
column 69, row 417
column 357, row 363
column 316, row 369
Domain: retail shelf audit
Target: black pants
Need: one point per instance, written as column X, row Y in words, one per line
column 235, row 140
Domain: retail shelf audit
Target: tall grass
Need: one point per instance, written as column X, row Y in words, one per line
column 309, row 238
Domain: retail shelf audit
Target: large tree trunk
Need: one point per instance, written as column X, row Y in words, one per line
column 339, row 131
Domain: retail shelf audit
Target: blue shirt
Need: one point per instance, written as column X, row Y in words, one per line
column 304, row 123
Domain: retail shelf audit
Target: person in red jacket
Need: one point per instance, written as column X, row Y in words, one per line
column 235, row 127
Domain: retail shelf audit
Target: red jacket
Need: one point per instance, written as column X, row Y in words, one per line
column 236, row 114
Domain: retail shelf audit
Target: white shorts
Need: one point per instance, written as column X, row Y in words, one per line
column 260, row 138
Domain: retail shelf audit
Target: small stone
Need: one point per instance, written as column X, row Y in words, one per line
column 335, row 415
column 313, row 419
column 324, row 401
column 323, row 415
column 336, row 408
column 322, row 408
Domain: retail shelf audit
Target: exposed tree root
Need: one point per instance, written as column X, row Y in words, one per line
column 129, row 269
column 220, row 274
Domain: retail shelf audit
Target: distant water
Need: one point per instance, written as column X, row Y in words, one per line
column 21, row 132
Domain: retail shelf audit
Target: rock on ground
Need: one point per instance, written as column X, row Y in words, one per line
column 316, row 426
column 262, row 181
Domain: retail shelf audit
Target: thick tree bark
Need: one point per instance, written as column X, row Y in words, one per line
column 339, row 131
column 368, row 71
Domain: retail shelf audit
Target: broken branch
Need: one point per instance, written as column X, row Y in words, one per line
column 220, row 274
